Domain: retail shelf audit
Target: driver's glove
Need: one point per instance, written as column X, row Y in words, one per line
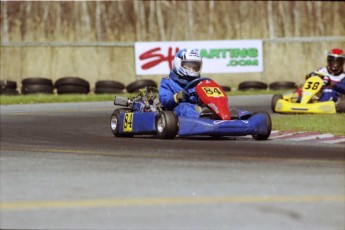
column 308, row 75
column 181, row 96
column 326, row 80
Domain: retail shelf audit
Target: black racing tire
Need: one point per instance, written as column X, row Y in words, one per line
column 274, row 100
column 72, row 81
column 340, row 106
column 265, row 136
column 33, row 89
column 114, row 122
column 139, row 84
column 282, row 85
column 109, row 84
column 226, row 88
column 166, row 125
column 108, row 91
column 8, row 84
column 37, row 81
column 72, row 89
column 8, row 92
column 248, row 85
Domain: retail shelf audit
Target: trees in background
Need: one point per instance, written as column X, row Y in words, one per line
column 130, row 21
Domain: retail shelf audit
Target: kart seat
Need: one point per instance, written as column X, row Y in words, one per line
column 234, row 114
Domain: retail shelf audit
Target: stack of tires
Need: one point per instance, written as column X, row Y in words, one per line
column 72, row 85
column 282, row 85
column 226, row 88
column 249, row 85
column 109, row 87
column 8, row 87
column 37, row 85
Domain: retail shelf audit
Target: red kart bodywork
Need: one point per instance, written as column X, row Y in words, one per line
column 214, row 97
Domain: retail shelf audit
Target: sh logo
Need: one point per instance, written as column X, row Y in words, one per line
column 156, row 57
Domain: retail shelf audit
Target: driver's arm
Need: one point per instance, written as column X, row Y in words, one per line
column 340, row 86
column 166, row 94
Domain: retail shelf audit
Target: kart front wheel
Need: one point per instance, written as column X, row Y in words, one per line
column 115, row 122
column 265, row 135
column 166, row 124
column 274, row 100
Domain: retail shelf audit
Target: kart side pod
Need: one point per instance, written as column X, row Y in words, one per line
column 283, row 106
column 259, row 125
column 125, row 123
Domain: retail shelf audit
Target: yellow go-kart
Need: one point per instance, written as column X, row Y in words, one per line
column 306, row 99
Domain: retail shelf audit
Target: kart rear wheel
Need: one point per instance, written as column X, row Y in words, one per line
column 115, row 121
column 266, row 135
column 166, row 125
column 340, row 105
column 274, row 100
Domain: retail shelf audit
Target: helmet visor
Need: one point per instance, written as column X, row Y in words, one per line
column 194, row 66
column 335, row 63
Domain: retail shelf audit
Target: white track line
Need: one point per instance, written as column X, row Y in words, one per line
column 286, row 135
column 334, row 141
column 318, row 136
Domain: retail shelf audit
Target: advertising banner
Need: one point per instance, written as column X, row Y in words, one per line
column 222, row 56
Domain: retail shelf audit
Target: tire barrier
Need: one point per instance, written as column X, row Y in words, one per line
column 282, row 85
column 76, row 85
column 109, row 87
column 37, row 85
column 8, row 88
column 72, row 85
column 226, row 88
column 248, row 85
column 37, row 81
column 139, row 84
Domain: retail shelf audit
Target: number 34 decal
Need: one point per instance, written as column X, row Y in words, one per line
column 213, row 91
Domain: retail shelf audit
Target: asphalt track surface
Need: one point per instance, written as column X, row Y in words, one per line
column 61, row 168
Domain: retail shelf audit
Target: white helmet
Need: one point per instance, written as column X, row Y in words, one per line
column 187, row 63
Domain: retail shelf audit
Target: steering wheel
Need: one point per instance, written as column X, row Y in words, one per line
column 194, row 83
column 317, row 74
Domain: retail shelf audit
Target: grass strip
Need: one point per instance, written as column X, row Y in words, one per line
column 323, row 123
column 53, row 98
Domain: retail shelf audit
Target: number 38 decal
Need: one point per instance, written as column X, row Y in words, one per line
column 213, row 91
column 312, row 85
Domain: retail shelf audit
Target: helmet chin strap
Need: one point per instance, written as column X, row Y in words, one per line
column 334, row 73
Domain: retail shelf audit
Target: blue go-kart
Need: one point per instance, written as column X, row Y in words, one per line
column 144, row 115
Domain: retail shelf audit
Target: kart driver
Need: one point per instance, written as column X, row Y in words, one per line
column 334, row 79
column 187, row 66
